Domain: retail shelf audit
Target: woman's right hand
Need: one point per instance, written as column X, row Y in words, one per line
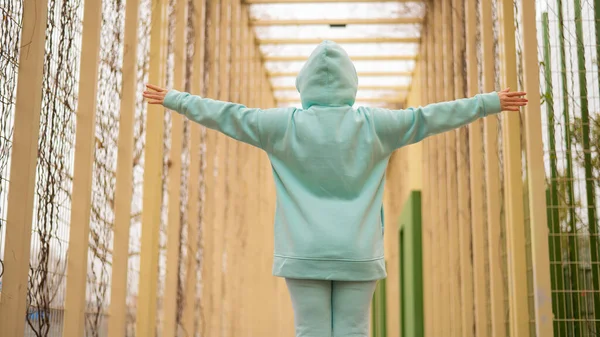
column 155, row 94
column 511, row 101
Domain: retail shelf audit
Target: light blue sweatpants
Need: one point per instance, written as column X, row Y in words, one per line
column 331, row 308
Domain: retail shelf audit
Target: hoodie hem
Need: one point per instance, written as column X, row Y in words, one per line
column 334, row 270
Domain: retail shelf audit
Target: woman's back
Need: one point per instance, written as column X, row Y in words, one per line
column 329, row 161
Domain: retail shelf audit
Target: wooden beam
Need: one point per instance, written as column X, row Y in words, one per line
column 535, row 176
column 13, row 304
column 513, row 181
column 169, row 324
column 300, row 58
column 452, row 227
column 358, row 99
column 317, row 1
column 492, row 177
column 123, row 185
column 79, row 231
column 328, row 22
column 363, row 87
column 234, row 202
column 209, row 205
column 218, row 230
column 428, row 186
column 153, row 164
column 355, row 40
column 253, row 202
column 444, row 311
column 361, row 74
column 190, row 320
column 477, row 183
column 465, row 279
column 246, row 152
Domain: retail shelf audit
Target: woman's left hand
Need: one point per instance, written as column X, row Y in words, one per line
column 154, row 94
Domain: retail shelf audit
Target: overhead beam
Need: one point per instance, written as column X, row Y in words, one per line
column 318, row 1
column 358, row 99
column 362, row 74
column 250, row 2
column 348, row 21
column 300, row 58
column 362, row 87
column 345, row 40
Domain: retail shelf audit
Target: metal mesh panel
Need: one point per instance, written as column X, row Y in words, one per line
column 54, row 172
column 138, row 165
column 10, row 37
column 104, row 169
column 568, row 41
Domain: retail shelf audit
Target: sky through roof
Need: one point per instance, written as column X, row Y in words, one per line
column 384, row 68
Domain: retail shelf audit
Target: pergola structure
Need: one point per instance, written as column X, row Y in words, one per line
column 122, row 218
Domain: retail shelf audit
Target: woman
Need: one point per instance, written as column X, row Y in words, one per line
column 329, row 161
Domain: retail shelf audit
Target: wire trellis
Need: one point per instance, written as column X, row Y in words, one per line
column 139, row 134
column 105, row 160
column 568, row 35
column 10, row 38
column 54, row 172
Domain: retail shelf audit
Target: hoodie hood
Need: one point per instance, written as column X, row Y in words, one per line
column 328, row 78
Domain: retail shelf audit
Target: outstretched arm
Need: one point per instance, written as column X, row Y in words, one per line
column 403, row 127
column 234, row 120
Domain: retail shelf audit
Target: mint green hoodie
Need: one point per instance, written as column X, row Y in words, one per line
column 329, row 161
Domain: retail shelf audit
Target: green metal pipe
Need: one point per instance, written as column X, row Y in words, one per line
column 573, row 253
column 557, row 277
column 587, row 159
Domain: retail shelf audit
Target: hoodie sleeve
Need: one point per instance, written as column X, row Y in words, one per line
column 234, row 120
column 397, row 128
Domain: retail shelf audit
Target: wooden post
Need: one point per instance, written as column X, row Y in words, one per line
column 219, row 225
column 234, row 187
column 496, row 278
column 451, row 221
column 426, row 230
column 189, row 311
column 189, row 319
column 209, row 208
column 253, row 200
column 79, row 231
column 245, row 158
column 228, row 159
column 436, row 290
column 535, row 176
column 513, row 182
column 479, row 284
column 123, row 189
column 445, row 309
column 169, row 326
column 153, row 163
column 13, row 306
column 431, row 316
column 462, row 160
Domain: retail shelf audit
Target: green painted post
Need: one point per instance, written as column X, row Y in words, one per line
column 552, row 194
column 587, row 157
column 573, row 253
column 378, row 311
column 411, row 268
